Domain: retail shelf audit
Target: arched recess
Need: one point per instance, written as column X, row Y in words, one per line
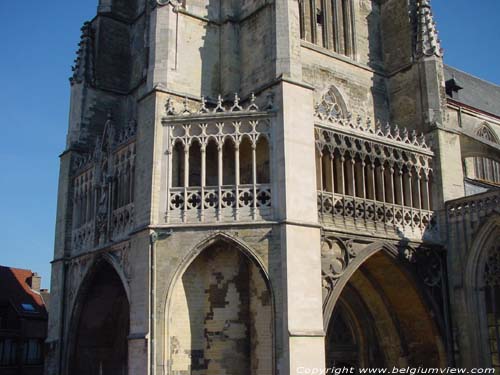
column 477, row 315
column 331, row 105
column 399, row 325
column 484, row 131
column 219, row 314
column 99, row 326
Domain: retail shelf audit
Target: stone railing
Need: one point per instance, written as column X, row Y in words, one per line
column 223, row 203
column 474, row 207
column 356, row 213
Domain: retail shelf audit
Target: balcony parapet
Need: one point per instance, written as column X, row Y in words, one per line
column 242, row 203
column 365, row 129
column 359, row 214
column 476, row 205
column 218, row 158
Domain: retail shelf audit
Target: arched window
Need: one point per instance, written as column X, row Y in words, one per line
column 485, row 132
column 329, row 24
column 331, row 105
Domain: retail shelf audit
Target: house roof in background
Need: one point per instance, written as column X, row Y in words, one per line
column 15, row 289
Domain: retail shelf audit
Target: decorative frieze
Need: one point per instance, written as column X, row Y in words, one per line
column 103, row 189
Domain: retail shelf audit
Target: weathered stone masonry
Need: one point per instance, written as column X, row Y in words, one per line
column 259, row 187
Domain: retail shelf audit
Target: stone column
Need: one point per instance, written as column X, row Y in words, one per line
column 302, row 315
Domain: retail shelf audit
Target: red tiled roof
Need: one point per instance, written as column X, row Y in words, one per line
column 14, row 288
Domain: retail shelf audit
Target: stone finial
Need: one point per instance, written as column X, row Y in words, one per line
column 428, row 43
column 253, row 106
column 220, row 105
column 203, row 108
column 236, row 106
column 404, row 134
column 414, row 137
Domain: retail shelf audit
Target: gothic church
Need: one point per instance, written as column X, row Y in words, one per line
column 265, row 187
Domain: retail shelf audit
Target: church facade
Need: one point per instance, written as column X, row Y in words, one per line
column 271, row 187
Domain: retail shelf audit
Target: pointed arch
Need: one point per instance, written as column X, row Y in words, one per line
column 355, row 264
column 385, row 288
column 475, row 285
column 331, row 104
column 217, row 295
column 97, row 337
column 486, row 132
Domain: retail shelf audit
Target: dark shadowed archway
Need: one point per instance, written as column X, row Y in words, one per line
column 382, row 320
column 101, row 325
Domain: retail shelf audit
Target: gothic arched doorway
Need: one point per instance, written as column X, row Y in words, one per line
column 382, row 320
column 100, row 343
column 351, row 339
column 220, row 318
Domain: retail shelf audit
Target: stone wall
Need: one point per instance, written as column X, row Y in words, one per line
column 221, row 317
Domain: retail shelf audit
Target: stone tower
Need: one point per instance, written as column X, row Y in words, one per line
column 254, row 187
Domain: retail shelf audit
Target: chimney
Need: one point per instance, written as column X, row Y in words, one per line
column 35, row 282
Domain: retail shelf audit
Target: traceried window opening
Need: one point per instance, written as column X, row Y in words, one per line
column 485, row 132
column 492, row 294
column 329, row 24
column 330, row 105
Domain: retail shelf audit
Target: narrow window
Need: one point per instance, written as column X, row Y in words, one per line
column 246, row 161
column 178, row 165
column 263, row 165
column 212, row 163
column 229, row 162
column 195, row 164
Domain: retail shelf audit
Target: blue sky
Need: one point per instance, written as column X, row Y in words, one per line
column 40, row 40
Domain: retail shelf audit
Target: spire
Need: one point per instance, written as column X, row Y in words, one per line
column 83, row 70
column 428, row 43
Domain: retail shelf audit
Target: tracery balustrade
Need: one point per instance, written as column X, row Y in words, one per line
column 378, row 177
column 219, row 164
column 103, row 189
